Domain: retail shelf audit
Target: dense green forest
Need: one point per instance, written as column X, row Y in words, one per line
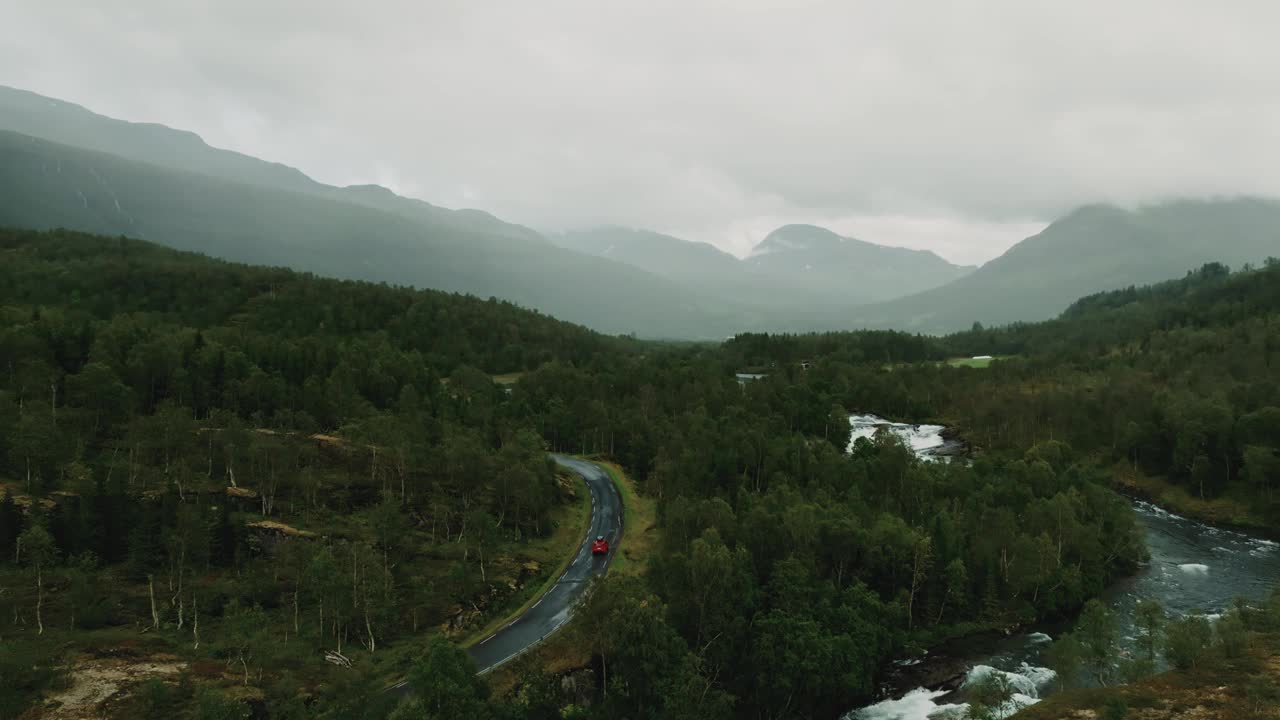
column 1183, row 375
column 1176, row 383
column 241, row 469
column 255, row 464
column 245, row 468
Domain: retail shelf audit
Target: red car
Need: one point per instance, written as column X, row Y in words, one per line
column 600, row 546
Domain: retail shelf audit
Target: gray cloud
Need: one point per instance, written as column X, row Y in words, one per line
column 959, row 126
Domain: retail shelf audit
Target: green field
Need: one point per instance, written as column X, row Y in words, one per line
column 975, row 362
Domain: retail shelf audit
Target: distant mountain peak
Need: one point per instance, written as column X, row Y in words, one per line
column 816, row 241
column 798, row 236
column 1093, row 212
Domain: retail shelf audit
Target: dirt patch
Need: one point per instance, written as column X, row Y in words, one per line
column 320, row 438
column 281, row 528
column 328, row 439
column 21, row 499
column 94, row 683
column 568, row 485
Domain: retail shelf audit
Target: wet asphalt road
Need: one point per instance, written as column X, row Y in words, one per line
column 554, row 609
column 556, row 606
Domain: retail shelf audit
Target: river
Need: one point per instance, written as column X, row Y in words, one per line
column 1193, row 568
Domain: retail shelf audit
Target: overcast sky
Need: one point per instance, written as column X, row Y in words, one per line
column 957, row 126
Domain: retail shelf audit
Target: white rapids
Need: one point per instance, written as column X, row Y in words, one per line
column 924, row 440
column 922, row 704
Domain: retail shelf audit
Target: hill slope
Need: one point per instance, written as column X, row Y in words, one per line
column 48, row 185
column 654, row 252
column 70, row 124
column 1093, row 249
column 265, row 414
column 103, row 278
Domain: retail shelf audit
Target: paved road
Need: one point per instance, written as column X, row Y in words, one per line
column 554, row 609
column 556, row 606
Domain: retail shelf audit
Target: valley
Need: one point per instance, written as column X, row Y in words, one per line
column 875, row 404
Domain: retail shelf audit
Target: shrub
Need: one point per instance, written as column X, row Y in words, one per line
column 989, row 697
column 1187, row 641
column 1115, row 709
column 1233, row 639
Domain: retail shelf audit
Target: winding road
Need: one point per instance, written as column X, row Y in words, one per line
column 555, row 607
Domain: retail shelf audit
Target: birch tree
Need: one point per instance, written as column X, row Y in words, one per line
column 37, row 549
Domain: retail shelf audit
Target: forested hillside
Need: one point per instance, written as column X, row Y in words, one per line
column 1177, row 382
column 1092, row 249
column 364, row 233
column 229, row 469
column 1171, row 393
column 314, row 466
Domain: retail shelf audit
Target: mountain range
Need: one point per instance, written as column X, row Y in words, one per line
column 1092, row 249
column 791, row 273
column 62, row 165
column 819, row 259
